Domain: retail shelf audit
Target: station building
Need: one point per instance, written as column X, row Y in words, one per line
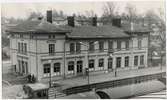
column 41, row 48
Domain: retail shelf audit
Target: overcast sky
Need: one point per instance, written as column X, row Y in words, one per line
column 21, row 10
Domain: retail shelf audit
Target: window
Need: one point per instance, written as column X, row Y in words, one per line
column 91, row 63
column 22, row 65
column 19, row 64
column 101, row 62
column 136, row 60
column 21, row 35
column 126, row 61
column 78, row 47
column 119, row 45
column 51, row 36
column 71, row 66
column 139, row 43
column 118, row 62
column 109, row 63
column 51, row 48
column 26, row 67
column 72, row 47
column 46, row 68
column 110, row 45
column 127, row 44
column 19, row 47
column 91, row 46
column 142, row 60
column 56, row 67
column 101, row 45
column 22, row 49
column 31, row 36
column 25, row 48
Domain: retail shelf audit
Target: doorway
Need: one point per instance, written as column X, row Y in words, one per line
column 110, row 63
column 79, row 67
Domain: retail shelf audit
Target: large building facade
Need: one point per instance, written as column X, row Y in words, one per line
column 41, row 48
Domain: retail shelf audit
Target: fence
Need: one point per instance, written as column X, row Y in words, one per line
column 112, row 84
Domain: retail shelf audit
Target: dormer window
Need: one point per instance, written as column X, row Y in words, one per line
column 51, row 36
column 21, row 35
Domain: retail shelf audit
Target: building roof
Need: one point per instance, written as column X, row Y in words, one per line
column 136, row 28
column 38, row 86
column 105, row 31
column 36, row 26
column 84, row 31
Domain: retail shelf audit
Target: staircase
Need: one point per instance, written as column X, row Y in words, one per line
column 59, row 94
column 55, row 93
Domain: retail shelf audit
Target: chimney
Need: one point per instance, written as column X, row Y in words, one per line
column 116, row 22
column 49, row 16
column 70, row 20
column 94, row 21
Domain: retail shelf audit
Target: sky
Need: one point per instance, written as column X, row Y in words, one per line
column 22, row 10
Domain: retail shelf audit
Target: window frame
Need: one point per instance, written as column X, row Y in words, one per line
column 127, row 44
column 136, row 60
column 71, row 66
column 57, row 69
column 142, row 60
column 101, row 45
column 110, row 45
column 118, row 59
column 51, row 49
column 91, row 46
column 91, row 63
column 19, row 47
column 25, row 48
column 72, row 48
column 119, row 45
column 48, row 69
column 139, row 43
column 110, row 62
column 78, row 47
column 127, row 61
column 101, row 62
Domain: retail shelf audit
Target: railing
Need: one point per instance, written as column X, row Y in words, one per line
column 112, row 84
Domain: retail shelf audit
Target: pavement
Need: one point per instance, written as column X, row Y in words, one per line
column 82, row 80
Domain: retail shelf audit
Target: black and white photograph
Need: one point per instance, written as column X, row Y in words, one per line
column 113, row 49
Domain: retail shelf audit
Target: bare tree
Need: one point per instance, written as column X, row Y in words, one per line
column 33, row 15
column 131, row 12
column 90, row 13
column 109, row 9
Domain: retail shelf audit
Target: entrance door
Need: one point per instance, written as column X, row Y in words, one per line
column 110, row 64
column 79, row 67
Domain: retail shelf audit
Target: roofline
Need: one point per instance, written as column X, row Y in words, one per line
column 85, row 38
column 138, row 31
column 35, row 32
